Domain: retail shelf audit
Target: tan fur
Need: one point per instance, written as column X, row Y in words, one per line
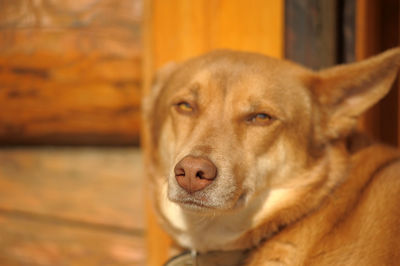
column 299, row 189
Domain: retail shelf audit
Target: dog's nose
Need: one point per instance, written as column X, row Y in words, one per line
column 195, row 173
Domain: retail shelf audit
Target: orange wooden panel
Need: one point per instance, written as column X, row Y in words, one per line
column 158, row 242
column 70, row 72
column 178, row 29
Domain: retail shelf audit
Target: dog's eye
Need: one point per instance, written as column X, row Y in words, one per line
column 184, row 107
column 260, row 119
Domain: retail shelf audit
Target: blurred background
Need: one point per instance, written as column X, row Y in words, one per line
column 72, row 73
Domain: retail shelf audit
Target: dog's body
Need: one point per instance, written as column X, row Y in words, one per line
column 251, row 153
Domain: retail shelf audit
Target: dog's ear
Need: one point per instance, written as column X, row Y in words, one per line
column 345, row 92
column 159, row 80
column 149, row 123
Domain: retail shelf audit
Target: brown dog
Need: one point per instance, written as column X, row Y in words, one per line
column 258, row 156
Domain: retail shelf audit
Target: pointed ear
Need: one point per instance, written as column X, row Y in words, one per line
column 345, row 92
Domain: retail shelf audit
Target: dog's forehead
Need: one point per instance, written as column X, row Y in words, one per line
column 241, row 74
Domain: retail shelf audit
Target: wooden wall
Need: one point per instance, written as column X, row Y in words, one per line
column 70, row 71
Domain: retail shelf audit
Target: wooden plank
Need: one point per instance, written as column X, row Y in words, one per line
column 377, row 30
column 390, row 105
column 178, row 29
column 158, row 243
column 311, row 32
column 99, row 186
column 70, row 73
column 27, row 242
column 347, row 31
column 320, row 34
column 367, row 45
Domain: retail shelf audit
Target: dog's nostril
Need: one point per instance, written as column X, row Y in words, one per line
column 200, row 174
column 195, row 173
column 179, row 172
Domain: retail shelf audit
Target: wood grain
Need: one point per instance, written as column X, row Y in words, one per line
column 377, row 29
column 70, row 72
column 178, row 29
column 71, row 206
column 311, row 31
column 25, row 242
column 102, row 186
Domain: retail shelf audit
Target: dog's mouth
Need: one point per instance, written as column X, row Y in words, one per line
column 193, row 204
column 195, row 201
column 209, row 201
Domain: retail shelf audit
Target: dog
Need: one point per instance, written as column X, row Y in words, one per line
column 257, row 161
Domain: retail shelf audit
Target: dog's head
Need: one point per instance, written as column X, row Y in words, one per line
column 229, row 126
